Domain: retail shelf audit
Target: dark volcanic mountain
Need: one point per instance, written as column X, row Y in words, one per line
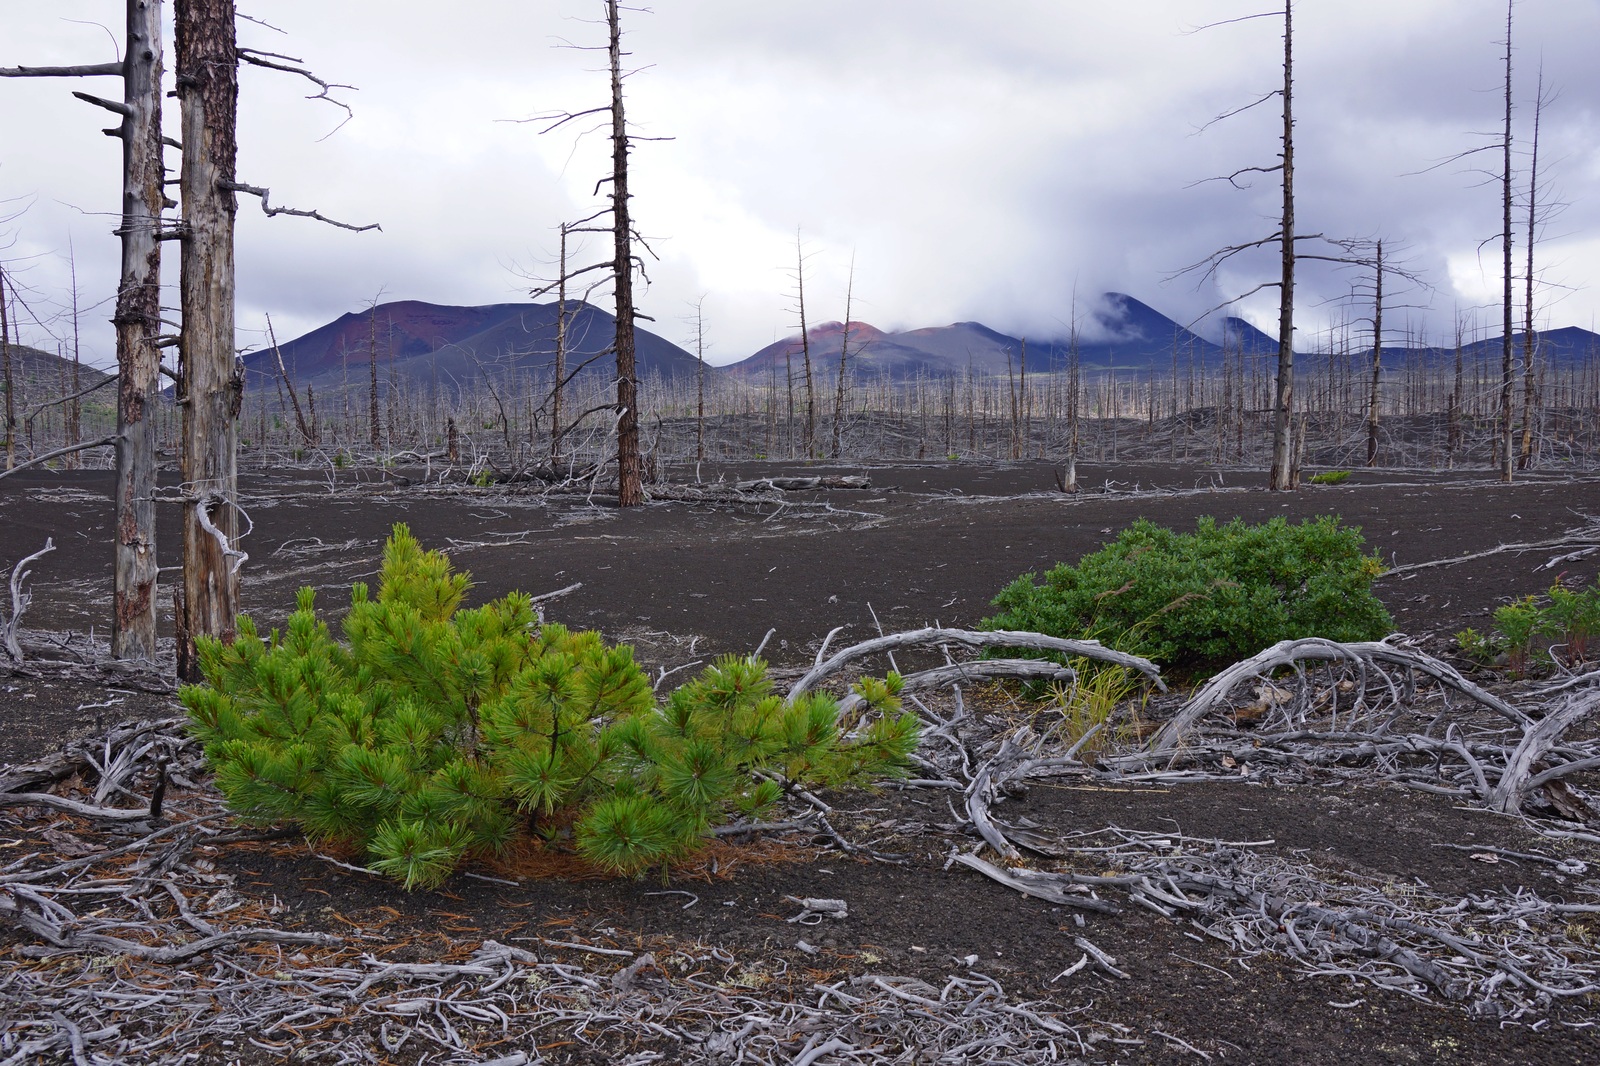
column 453, row 345
column 1118, row 332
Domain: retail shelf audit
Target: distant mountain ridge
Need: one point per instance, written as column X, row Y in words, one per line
column 448, row 346
column 1117, row 332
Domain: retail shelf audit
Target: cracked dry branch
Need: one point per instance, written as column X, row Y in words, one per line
column 9, row 632
column 822, row 669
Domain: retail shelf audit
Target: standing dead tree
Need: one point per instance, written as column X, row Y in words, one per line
column 808, row 438
column 1284, row 239
column 212, row 378
column 211, row 374
column 137, row 318
column 630, row 465
column 10, row 382
column 621, row 266
column 1537, row 213
column 1508, row 368
column 844, row 358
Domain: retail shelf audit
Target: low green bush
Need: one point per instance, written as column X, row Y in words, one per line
column 1330, row 477
column 1533, row 631
column 436, row 733
column 1196, row 602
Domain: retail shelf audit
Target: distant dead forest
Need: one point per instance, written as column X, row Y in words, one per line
column 1432, row 413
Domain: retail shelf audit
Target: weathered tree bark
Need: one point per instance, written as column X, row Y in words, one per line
column 212, row 381
column 1283, row 404
column 1508, row 367
column 137, row 320
column 9, row 381
column 630, row 466
column 1377, row 359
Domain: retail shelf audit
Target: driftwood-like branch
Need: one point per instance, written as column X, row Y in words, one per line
column 202, row 507
column 1288, row 653
column 68, row 450
column 1583, row 537
column 1052, row 888
column 87, row 70
column 1000, row 638
column 1518, row 779
column 268, row 210
column 62, row 803
column 20, row 600
column 30, row 413
column 971, row 672
column 800, row 484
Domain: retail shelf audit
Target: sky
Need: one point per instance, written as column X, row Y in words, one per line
column 1001, row 162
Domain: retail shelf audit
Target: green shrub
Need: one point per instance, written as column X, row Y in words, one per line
column 436, row 733
column 1566, row 619
column 1330, row 477
column 1195, row 602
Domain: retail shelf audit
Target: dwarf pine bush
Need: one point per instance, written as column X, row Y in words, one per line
column 434, row 733
column 1196, row 602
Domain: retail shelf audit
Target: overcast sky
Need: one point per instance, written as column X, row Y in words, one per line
column 978, row 161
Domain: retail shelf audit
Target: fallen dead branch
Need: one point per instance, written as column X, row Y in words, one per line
column 1368, row 656
column 968, row 638
column 1574, row 544
column 20, row 601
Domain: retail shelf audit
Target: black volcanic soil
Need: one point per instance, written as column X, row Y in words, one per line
column 686, row 581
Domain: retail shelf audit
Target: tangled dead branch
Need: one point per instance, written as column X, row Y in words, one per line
column 136, row 947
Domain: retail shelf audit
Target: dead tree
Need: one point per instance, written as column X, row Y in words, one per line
column 808, row 438
column 1280, row 477
column 630, row 465
column 1530, row 340
column 212, row 379
column 10, row 382
column 1507, row 359
column 700, row 379
column 137, row 318
column 558, row 385
column 1377, row 357
column 374, row 417
column 621, row 266
column 1283, row 401
column 844, row 357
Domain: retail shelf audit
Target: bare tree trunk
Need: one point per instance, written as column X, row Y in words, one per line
column 374, row 418
column 630, row 467
column 10, row 381
column 1507, row 359
column 1530, row 346
column 700, row 380
column 808, row 438
column 213, row 381
column 1377, row 361
column 138, row 322
column 559, row 385
column 844, row 355
column 1283, row 405
column 1453, row 441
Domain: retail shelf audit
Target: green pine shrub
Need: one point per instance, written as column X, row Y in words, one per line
column 1196, row 602
column 1330, row 477
column 434, row 733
